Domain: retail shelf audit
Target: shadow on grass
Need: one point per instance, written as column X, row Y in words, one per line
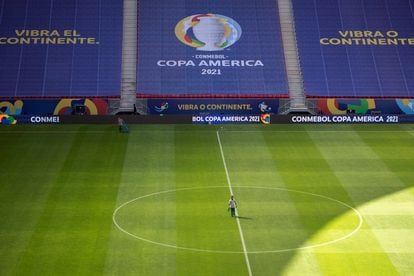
column 324, row 176
column 299, row 159
column 246, row 218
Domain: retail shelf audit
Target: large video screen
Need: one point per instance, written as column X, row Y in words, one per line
column 60, row 47
column 210, row 47
column 356, row 47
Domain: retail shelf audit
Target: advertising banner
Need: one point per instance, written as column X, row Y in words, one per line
column 60, row 48
column 344, row 119
column 334, row 106
column 8, row 120
column 66, row 106
column 356, row 48
column 232, row 119
column 210, row 47
column 100, row 106
column 213, row 106
column 266, row 119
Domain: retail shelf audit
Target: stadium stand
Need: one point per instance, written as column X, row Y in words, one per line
column 380, row 69
column 353, row 48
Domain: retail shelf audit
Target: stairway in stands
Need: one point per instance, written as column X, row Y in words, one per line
column 129, row 58
column 297, row 102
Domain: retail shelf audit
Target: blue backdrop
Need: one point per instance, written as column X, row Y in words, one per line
column 39, row 69
column 355, row 70
column 259, row 41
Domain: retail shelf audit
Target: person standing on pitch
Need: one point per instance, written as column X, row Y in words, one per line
column 121, row 124
column 232, row 206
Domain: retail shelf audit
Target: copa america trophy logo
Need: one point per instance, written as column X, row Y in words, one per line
column 208, row 32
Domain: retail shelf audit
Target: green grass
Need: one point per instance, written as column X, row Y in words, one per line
column 60, row 186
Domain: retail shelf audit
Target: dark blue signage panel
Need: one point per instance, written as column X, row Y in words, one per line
column 60, row 48
column 356, row 47
column 210, row 47
column 213, row 106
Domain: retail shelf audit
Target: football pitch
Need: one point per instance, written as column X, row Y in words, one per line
column 312, row 200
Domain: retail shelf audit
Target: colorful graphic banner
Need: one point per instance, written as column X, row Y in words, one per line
column 99, row 106
column 93, row 106
column 210, row 47
column 334, row 106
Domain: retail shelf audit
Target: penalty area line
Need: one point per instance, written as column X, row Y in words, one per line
column 246, row 256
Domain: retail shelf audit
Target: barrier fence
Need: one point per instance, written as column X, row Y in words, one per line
column 208, row 119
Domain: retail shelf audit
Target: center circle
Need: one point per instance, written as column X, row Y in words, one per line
column 195, row 219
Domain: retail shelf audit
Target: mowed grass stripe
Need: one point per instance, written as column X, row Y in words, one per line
column 149, row 167
column 236, row 214
column 272, row 220
column 365, row 177
column 71, row 234
column 202, row 217
column 48, row 229
column 302, row 167
column 28, row 172
column 392, row 215
column 396, row 151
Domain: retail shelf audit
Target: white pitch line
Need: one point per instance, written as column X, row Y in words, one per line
column 207, row 131
column 354, row 231
column 322, row 131
column 246, row 256
column 53, row 132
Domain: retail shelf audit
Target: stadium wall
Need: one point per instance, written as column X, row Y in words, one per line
column 166, row 106
column 265, row 119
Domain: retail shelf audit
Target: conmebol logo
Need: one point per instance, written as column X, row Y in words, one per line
column 208, row 32
column 44, row 119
